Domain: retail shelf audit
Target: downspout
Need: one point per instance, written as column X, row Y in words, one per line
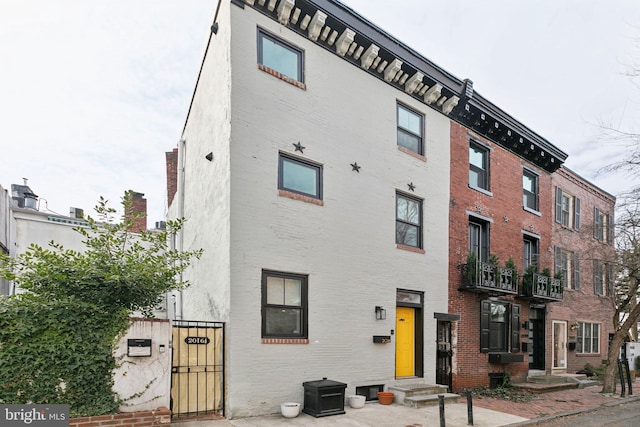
column 181, row 172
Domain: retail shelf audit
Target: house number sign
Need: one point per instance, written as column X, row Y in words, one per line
column 197, row 340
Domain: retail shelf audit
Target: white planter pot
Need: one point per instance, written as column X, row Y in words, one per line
column 356, row 401
column 290, row 409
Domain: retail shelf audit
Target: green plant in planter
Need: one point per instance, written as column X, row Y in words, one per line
column 512, row 265
column 546, row 272
column 493, row 260
column 527, row 280
column 470, row 270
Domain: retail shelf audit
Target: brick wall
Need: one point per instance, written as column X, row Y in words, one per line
column 171, row 158
column 504, row 208
column 161, row 416
column 582, row 305
column 139, row 206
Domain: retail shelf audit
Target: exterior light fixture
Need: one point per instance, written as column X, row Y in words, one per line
column 381, row 313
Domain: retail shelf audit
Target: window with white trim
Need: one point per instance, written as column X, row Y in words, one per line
column 588, row 338
column 478, row 167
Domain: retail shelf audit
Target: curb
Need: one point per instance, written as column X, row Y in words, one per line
column 576, row 412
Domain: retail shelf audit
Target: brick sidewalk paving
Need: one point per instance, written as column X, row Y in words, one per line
column 550, row 403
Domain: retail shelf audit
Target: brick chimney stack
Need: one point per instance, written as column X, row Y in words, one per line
column 172, row 174
column 139, row 205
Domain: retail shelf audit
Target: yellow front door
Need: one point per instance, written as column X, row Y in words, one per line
column 405, row 342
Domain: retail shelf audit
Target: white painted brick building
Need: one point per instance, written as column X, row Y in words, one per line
column 314, row 172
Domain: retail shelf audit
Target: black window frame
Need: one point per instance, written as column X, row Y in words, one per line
column 403, row 130
column 401, row 221
column 511, row 328
column 303, row 307
column 301, row 162
column 528, row 196
column 262, row 34
column 483, row 172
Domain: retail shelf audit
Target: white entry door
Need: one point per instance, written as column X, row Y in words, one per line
column 559, row 345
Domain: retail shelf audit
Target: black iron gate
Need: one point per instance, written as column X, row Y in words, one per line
column 443, row 360
column 197, row 369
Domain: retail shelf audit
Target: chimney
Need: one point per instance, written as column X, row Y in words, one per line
column 139, row 205
column 172, row 174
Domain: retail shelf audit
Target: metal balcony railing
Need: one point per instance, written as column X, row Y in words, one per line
column 542, row 287
column 482, row 276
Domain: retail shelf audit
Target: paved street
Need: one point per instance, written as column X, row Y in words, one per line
column 622, row 415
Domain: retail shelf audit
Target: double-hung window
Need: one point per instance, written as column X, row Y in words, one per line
column 284, row 305
column 567, row 209
column 280, row 56
column 588, row 338
column 479, row 238
column 602, row 227
column 499, row 327
column 410, row 129
column 478, row 167
column 530, row 190
column 300, row 176
column 530, row 253
column 408, row 220
column 567, row 266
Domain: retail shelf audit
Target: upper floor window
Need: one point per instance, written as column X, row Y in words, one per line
column 478, row 167
column 410, row 129
column 284, row 305
column 567, row 209
column 479, row 239
column 530, row 253
column 530, row 190
column 280, row 56
column 499, row 326
column 567, row 266
column 588, row 338
column 603, row 280
column 408, row 220
column 602, row 226
column 300, row 176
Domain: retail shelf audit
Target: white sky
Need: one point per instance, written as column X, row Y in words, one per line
column 93, row 93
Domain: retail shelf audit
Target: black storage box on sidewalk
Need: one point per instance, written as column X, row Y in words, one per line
column 323, row 397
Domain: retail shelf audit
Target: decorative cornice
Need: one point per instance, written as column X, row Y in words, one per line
column 339, row 29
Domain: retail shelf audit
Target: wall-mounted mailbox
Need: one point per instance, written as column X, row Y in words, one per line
column 572, row 346
column 382, row 339
column 502, row 358
column 138, row 347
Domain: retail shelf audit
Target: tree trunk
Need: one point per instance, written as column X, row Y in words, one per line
column 611, row 370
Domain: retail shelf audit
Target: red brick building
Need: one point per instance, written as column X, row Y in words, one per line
column 578, row 328
column 526, row 258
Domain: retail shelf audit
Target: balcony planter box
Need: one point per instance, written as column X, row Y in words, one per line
column 502, row 358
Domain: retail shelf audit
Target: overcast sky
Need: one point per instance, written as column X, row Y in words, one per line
column 93, row 93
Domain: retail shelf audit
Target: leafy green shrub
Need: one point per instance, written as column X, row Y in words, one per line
column 57, row 338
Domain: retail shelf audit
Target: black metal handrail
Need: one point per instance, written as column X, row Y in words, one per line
column 485, row 276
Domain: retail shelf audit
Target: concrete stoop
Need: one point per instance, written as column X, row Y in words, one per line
column 421, row 395
column 546, row 383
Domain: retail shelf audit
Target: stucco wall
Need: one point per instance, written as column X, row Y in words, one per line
column 145, row 382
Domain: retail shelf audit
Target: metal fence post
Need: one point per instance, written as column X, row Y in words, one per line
column 441, row 405
column 469, row 408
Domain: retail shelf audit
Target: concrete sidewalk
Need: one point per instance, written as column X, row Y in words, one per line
column 374, row 414
column 487, row 412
